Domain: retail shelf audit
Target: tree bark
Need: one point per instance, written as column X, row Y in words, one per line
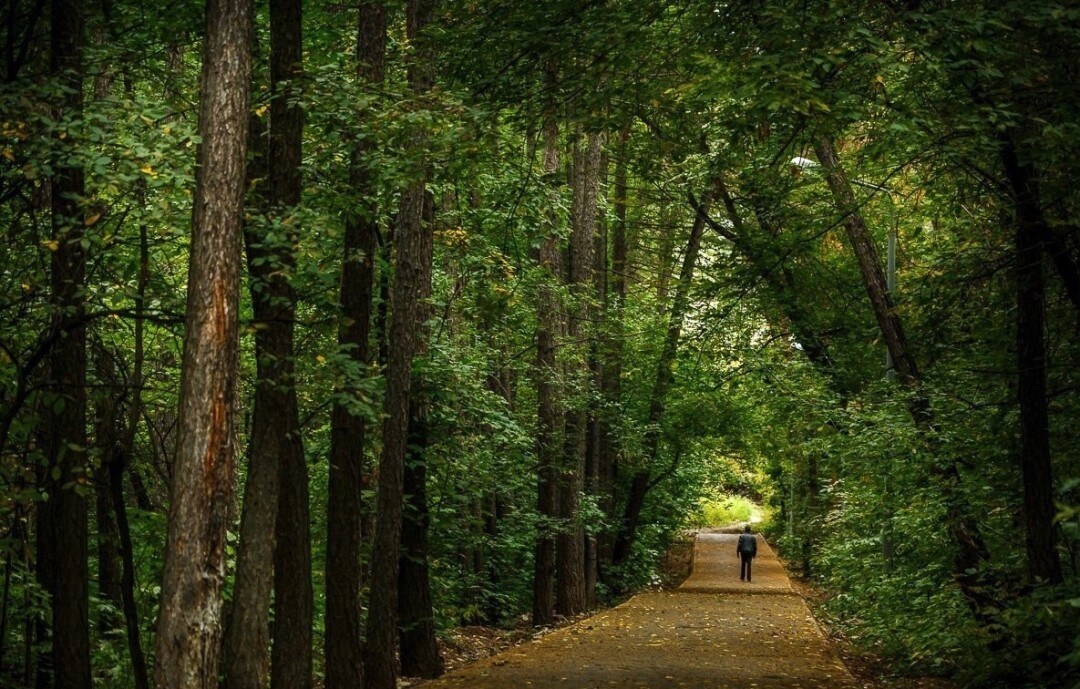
column 291, row 652
column 547, row 325
column 612, row 354
column 347, row 482
column 189, row 624
column 641, row 482
column 598, row 415
column 419, row 652
column 414, row 255
column 1044, row 564
column 862, row 244
column 275, row 438
column 108, row 536
column 63, row 528
column 570, row 592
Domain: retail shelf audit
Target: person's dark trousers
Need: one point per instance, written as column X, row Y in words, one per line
column 744, row 571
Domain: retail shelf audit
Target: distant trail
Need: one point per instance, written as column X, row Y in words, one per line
column 713, row 632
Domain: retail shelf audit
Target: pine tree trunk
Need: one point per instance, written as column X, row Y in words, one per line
column 275, row 425
column 570, row 592
column 419, row 652
column 294, row 600
column 1044, row 564
column 347, row 482
column 412, row 280
column 613, row 354
column 189, row 623
column 547, row 325
column 598, row 423
column 65, row 532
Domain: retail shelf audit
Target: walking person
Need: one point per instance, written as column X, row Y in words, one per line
column 747, row 551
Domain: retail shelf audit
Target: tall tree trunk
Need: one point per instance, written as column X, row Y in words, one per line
column 971, row 552
column 598, row 422
column 547, row 325
column 1044, row 564
column 108, row 537
column 127, row 577
column 570, row 593
column 189, row 624
column 613, row 353
column 275, row 438
column 117, row 468
column 862, row 244
column 414, row 255
column 419, row 652
column 344, row 666
column 246, row 638
column 641, row 482
column 64, row 526
column 294, row 599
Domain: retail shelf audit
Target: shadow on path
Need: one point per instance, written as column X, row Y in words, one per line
column 714, row 632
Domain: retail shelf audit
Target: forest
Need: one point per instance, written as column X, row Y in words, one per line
column 328, row 327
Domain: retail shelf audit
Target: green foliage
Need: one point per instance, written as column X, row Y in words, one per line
column 722, row 510
column 778, row 395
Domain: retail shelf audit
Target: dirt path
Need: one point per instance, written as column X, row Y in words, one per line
column 714, row 632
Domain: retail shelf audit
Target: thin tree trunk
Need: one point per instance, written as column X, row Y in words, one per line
column 598, row 423
column 414, row 255
column 1044, row 564
column 189, row 624
column 547, row 325
column 117, row 467
column 127, row 577
column 892, row 330
column 344, row 666
column 65, row 529
column 641, row 482
column 613, row 354
column 108, row 538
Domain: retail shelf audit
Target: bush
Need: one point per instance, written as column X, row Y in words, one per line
column 723, row 510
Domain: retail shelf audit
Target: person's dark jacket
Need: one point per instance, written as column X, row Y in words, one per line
column 747, row 545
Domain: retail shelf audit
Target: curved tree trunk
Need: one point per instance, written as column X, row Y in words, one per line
column 641, row 482
column 189, row 625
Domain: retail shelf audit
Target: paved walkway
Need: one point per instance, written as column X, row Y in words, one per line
column 714, row 632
